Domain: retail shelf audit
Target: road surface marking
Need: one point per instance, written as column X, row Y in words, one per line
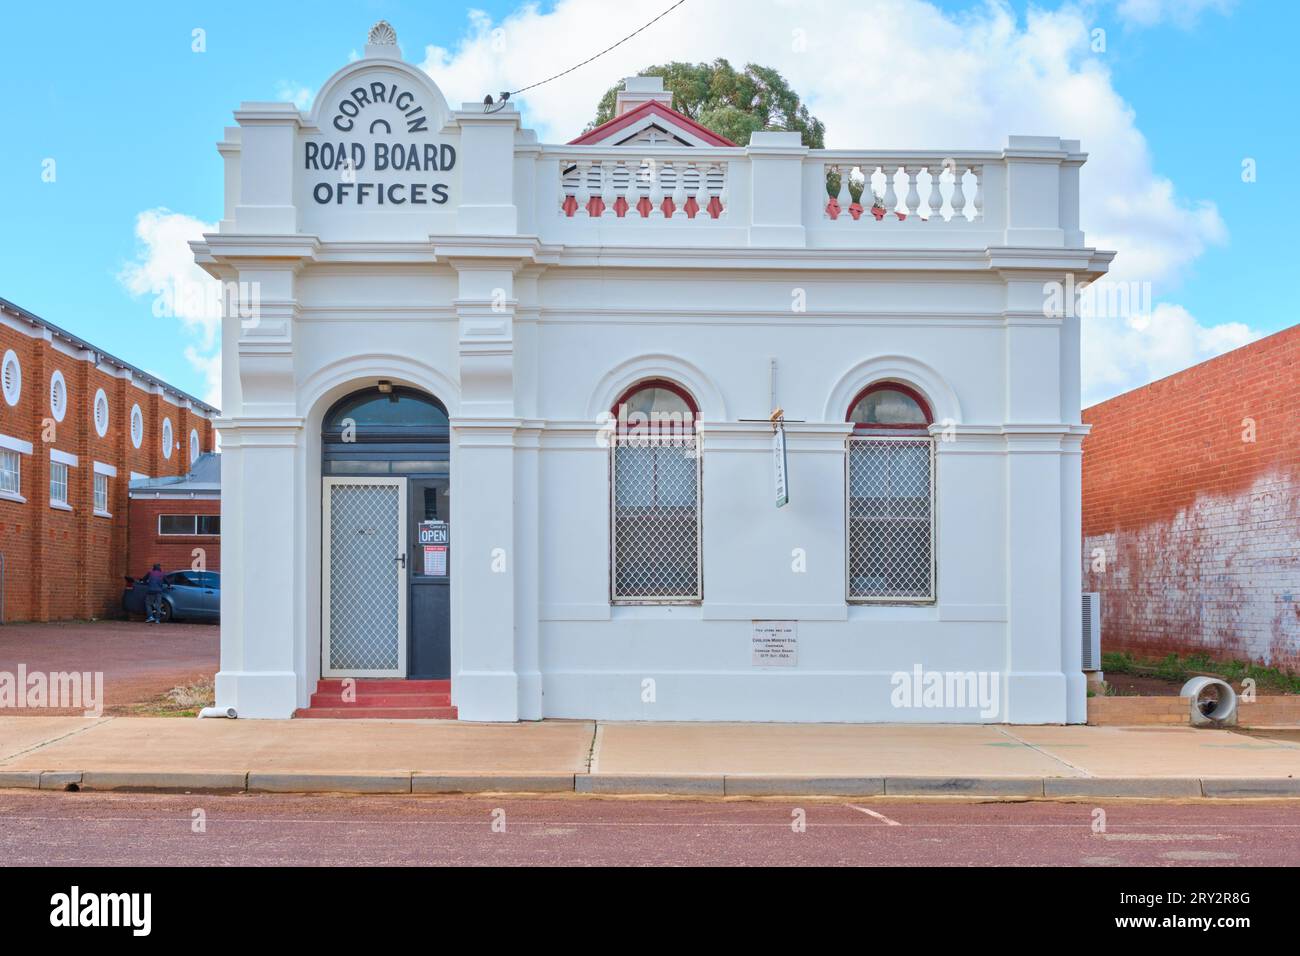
column 878, row 816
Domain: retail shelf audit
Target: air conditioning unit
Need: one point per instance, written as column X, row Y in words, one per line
column 1091, row 631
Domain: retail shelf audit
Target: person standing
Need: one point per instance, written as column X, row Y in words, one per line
column 153, row 598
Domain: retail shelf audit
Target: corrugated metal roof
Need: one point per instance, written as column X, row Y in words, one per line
column 204, row 478
column 104, row 356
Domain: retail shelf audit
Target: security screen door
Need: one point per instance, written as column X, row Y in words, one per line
column 363, row 578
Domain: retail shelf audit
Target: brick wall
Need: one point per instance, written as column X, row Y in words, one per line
column 1191, row 491
column 171, row 551
column 69, row 564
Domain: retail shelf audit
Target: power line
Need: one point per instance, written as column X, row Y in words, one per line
column 487, row 103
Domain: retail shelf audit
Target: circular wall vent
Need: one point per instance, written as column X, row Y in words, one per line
column 58, row 396
column 101, row 413
column 11, row 376
column 137, row 426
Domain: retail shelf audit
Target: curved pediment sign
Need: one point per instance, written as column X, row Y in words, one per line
column 376, row 139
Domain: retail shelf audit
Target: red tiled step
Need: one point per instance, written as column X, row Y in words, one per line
column 379, row 713
column 385, row 685
column 381, row 700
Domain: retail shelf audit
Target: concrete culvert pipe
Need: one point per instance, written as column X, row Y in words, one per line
column 1213, row 702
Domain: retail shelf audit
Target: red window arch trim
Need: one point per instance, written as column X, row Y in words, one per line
column 667, row 385
column 913, row 394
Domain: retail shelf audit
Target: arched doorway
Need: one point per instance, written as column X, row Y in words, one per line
column 386, row 536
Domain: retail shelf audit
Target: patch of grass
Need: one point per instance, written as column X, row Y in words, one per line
column 185, row 700
column 198, row 695
column 1178, row 669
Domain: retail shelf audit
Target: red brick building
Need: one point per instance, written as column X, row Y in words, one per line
column 1191, row 509
column 177, row 521
column 76, row 426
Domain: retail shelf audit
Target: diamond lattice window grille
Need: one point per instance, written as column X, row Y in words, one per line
column 655, row 526
column 363, row 595
column 890, row 519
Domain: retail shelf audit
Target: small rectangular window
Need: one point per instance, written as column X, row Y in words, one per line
column 189, row 524
column 890, row 486
column 176, row 524
column 10, row 472
column 101, row 494
column 656, row 520
column 58, row 483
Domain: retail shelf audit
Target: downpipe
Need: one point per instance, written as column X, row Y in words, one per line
column 217, row 712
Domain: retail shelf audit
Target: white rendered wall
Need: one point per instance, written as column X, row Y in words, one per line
column 528, row 325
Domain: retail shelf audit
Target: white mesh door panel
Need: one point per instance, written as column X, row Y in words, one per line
column 365, row 605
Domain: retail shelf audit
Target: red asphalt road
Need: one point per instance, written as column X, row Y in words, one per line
column 269, row 829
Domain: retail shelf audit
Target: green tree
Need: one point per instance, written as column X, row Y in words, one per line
column 730, row 103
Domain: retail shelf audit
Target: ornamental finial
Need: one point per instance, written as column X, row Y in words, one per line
column 382, row 34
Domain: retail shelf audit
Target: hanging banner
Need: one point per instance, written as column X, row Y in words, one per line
column 779, row 463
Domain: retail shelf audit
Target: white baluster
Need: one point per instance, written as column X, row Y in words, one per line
column 656, row 190
column 868, row 199
column 724, row 197
column 583, row 192
column 564, row 188
column 891, row 197
column 913, row 200
column 679, row 189
column 701, row 193
column 978, row 203
column 958, row 196
column 607, row 194
column 936, row 197
column 632, row 189
column 844, row 198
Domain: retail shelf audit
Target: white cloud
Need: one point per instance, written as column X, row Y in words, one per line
column 1120, row 352
column 1182, row 13
column 164, row 269
column 295, row 93
column 879, row 73
column 896, row 73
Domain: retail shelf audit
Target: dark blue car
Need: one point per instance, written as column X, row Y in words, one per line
column 187, row 596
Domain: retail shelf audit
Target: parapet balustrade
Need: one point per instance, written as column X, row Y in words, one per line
column 631, row 183
column 775, row 193
column 890, row 188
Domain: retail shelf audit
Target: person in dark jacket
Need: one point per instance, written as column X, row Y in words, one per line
column 153, row 599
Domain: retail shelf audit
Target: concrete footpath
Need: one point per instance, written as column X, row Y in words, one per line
column 695, row 759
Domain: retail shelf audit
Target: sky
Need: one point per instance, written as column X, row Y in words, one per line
column 109, row 166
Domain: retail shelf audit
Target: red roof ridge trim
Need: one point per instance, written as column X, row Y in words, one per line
column 650, row 106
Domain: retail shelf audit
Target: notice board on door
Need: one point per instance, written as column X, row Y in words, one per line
column 435, row 560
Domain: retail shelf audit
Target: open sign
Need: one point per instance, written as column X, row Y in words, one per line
column 434, row 532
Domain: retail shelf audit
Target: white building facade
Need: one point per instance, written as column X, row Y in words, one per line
column 498, row 412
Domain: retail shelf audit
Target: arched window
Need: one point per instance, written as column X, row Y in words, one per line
column 890, row 406
column 890, row 487
column 656, row 407
column 655, row 499
column 385, row 430
column 375, row 415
